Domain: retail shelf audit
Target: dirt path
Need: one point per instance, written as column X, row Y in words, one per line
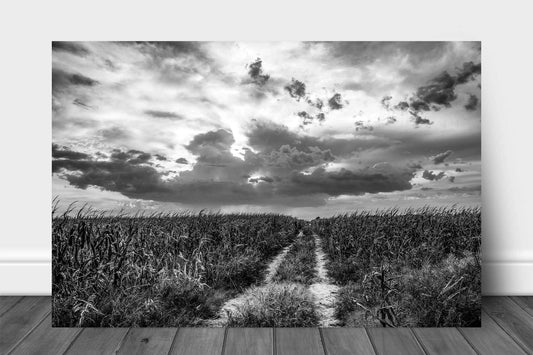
column 232, row 305
column 324, row 291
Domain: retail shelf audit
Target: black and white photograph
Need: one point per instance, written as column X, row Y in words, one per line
column 266, row 184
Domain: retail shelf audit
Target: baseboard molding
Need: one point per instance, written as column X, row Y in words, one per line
column 34, row 278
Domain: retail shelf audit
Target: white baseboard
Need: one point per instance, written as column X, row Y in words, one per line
column 25, row 278
column 507, row 278
column 34, row 278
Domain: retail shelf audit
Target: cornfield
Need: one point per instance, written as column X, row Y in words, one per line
column 416, row 268
column 162, row 269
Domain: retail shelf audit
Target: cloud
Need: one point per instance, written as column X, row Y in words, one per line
column 438, row 93
column 347, row 182
column 468, row 72
column 296, row 89
column 269, row 136
column 164, row 114
column 70, row 47
column 441, row 157
column 114, row 133
column 385, row 102
column 419, row 119
column 391, row 120
column 430, row 175
column 402, row 106
column 255, row 70
column 307, row 118
column 62, row 79
column 261, row 178
column 65, row 153
column 220, row 138
column 335, row 102
column 451, row 179
column 219, row 178
column 80, row 103
column 182, row 161
column 472, row 103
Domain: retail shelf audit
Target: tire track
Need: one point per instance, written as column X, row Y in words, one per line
column 323, row 290
column 232, row 305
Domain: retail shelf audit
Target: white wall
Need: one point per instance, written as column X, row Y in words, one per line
column 27, row 27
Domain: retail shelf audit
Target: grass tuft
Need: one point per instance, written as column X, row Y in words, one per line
column 276, row 305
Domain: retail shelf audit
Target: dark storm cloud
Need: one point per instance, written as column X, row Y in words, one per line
column 114, row 133
column 472, row 103
column 468, row 72
column 255, row 70
column 116, row 175
column 346, row 182
column 335, row 102
column 141, row 158
column 163, row 114
column 419, row 119
column 402, row 106
column 182, row 161
column 261, row 178
column 175, row 62
column 70, row 47
column 160, row 157
column 430, row 175
column 219, row 178
column 220, row 139
column 438, row 93
column 296, row 89
column 65, row 153
column 269, row 136
column 451, row 179
column 62, row 79
column 291, row 158
column 441, row 157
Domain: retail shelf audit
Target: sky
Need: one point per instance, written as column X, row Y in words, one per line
column 303, row 128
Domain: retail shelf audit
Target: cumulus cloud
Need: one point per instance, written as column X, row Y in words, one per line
column 336, row 102
column 472, row 103
column 296, row 89
column 255, row 71
column 430, row 175
column 219, row 177
column 439, row 93
column 441, row 157
column 248, row 143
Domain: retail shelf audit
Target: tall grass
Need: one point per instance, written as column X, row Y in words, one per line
column 417, row 268
column 159, row 269
column 299, row 264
